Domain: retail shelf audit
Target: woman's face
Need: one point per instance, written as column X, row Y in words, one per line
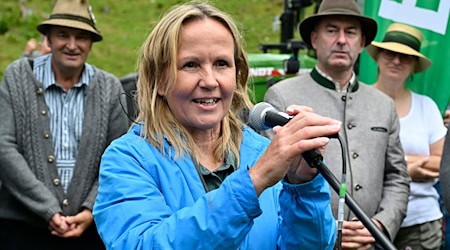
column 206, row 76
column 395, row 66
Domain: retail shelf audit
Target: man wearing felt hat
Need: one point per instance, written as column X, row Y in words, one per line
column 376, row 175
column 422, row 133
column 59, row 114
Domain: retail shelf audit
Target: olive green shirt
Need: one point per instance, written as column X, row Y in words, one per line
column 213, row 179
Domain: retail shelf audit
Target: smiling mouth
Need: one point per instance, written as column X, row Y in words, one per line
column 207, row 101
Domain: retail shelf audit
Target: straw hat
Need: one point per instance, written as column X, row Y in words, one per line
column 74, row 14
column 403, row 39
column 338, row 8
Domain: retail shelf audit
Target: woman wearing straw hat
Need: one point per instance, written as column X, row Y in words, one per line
column 421, row 133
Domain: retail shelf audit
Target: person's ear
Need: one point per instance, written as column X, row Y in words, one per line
column 363, row 43
column 162, row 83
column 313, row 39
column 160, row 91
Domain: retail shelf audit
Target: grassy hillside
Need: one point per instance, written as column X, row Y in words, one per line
column 125, row 24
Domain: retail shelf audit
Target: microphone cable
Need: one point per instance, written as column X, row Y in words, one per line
column 128, row 95
column 342, row 193
column 343, row 184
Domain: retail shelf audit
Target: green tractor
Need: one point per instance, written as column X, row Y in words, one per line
column 293, row 58
column 266, row 69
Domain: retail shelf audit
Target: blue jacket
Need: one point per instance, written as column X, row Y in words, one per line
column 149, row 201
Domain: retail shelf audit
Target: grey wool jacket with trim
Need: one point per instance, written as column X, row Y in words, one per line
column 30, row 190
column 377, row 179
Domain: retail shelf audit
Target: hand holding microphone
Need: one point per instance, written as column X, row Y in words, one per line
column 264, row 116
column 301, row 131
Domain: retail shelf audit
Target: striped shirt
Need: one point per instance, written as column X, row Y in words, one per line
column 66, row 114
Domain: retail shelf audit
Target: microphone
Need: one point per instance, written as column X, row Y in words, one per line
column 264, row 116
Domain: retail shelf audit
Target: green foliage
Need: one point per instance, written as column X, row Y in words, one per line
column 125, row 25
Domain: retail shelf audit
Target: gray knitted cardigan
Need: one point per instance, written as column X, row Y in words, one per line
column 31, row 189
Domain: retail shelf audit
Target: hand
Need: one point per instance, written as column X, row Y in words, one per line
column 305, row 131
column 58, row 224
column 300, row 171
column 77, row 224
column 30, row 47
column 416, row 170
column 43, row 46
column 356, row 236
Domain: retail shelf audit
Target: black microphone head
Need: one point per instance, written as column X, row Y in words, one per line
column 257, row 115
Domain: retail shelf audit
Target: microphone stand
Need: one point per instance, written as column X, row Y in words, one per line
column 314, row 159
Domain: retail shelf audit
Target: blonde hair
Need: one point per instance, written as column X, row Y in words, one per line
column 157, row 70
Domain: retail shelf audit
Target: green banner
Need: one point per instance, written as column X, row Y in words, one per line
column 431, row 17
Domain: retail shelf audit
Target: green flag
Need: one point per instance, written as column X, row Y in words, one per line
column 431, row 17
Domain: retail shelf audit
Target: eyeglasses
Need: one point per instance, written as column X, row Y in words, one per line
column 390, row 55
